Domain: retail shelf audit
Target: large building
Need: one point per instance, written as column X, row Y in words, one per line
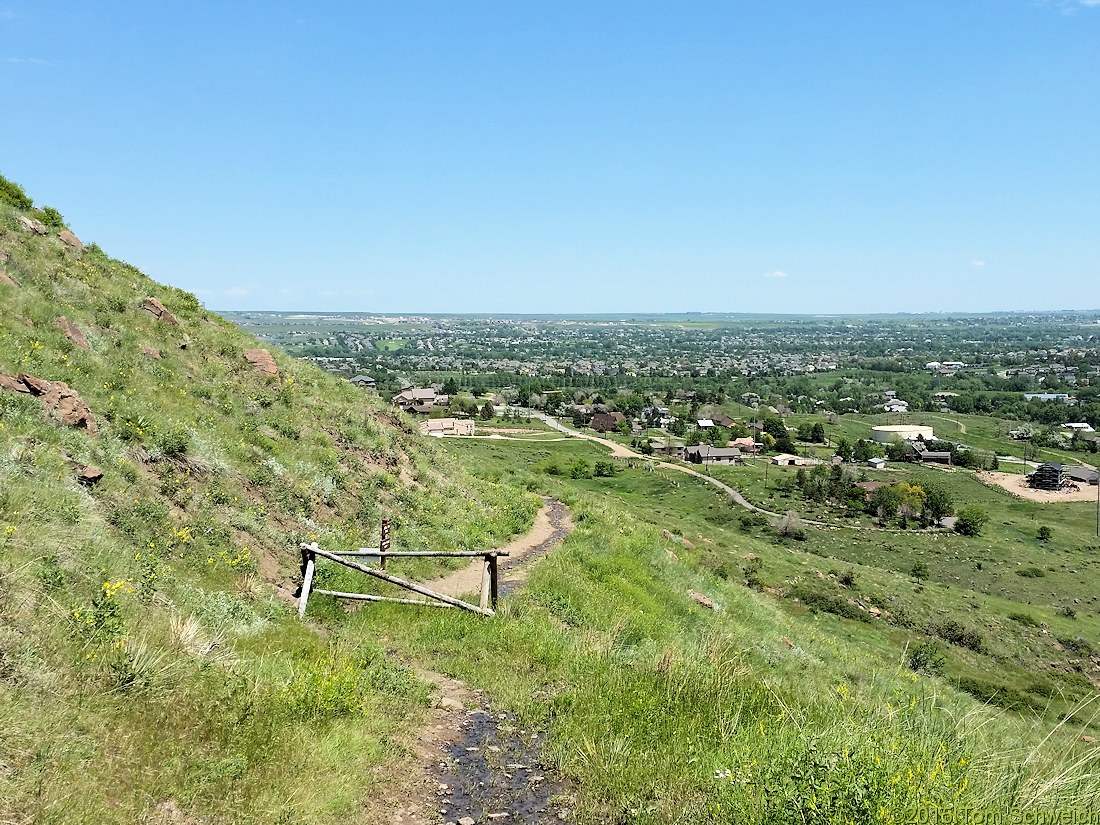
column 886, row 433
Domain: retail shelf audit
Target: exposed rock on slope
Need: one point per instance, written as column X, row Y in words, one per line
column 263, row 362
column 57, row 396
column 158, row 310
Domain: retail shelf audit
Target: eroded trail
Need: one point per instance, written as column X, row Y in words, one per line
column 470, row 763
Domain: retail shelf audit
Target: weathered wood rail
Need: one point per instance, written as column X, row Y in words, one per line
column 489, row 576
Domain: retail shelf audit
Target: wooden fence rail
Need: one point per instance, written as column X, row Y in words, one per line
column 312, row 552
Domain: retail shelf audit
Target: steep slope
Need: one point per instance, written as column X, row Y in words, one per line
column 157, row 472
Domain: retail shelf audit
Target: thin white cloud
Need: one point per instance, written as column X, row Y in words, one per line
column 236, row 291
column 776, row 274
column 978, row 264
column 28, row 61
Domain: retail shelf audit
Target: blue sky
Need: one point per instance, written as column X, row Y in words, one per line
column 772, row 156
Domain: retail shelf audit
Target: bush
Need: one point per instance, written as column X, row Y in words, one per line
column 926, row 657
column 580, row 469
column 960, row 636
column 1076, row 645
column 828, row 602
column 753, row 519
column 604, row 469
column 11, row 192
column 1024, row 618
column 1045, row 533
column 919, row 571
column 51, row 217
column 1030, row 573
column 173, row 443
column 970, row 521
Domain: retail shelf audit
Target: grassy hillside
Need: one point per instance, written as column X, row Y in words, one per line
column 151, row 669
column 149, row 659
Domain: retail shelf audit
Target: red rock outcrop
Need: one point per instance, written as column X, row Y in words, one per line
column 151, row 352
column 158, row 311
column 72, row 332
column 58, row 397
column 37, row 227
column 6, row 279
column 90, row 475
column 69, row 239
column 262, row 361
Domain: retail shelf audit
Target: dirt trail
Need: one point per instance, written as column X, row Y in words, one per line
column 552, row 524
column 468, row 760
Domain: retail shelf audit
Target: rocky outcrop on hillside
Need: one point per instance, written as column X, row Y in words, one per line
column 31, row 225
column 69, row 239
column 59, row 398
column 6, row 279
column 262, row 361
column 159, row 311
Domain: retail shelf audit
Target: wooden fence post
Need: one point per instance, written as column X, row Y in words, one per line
column 493, row 579
column 486, row 576
column 384, row 543
column 309, row 560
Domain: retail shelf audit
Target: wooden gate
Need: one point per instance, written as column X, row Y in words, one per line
column 311, row 553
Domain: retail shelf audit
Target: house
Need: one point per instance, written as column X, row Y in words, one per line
column 1049, row 476
column 921, row 452
column 603, row 422
column 745, row 444
column 661, row 447
column 896, row 405
column 705, row 424
column 788, row 460
column 869, row 487
column 722, row 421
column 1082, row 473
column 439, row 427
column 876, row 463
column 750, row 399
column 364, row 381
column 705, row 454
column 1079, row 427
column 1065, row 398
column 420, row 400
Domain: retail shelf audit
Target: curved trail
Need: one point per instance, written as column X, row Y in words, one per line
column 620, row 451
column 552, row 525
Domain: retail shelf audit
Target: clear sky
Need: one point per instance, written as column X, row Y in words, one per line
column 558, row 156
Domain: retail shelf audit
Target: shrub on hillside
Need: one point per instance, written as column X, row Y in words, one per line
column 12, row 193
column 971, row 520
column 926, row 657
column 951, row 631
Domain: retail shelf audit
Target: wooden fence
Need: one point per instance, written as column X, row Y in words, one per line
column 311, row 553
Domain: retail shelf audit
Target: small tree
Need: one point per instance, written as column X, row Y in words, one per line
column 937, row 503
column 487, row 412
column 818, row 433
column 971, row 520
column 1045, row 533
column 844, row 449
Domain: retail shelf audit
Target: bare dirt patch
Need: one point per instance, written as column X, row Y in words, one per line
column 1017, row 485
